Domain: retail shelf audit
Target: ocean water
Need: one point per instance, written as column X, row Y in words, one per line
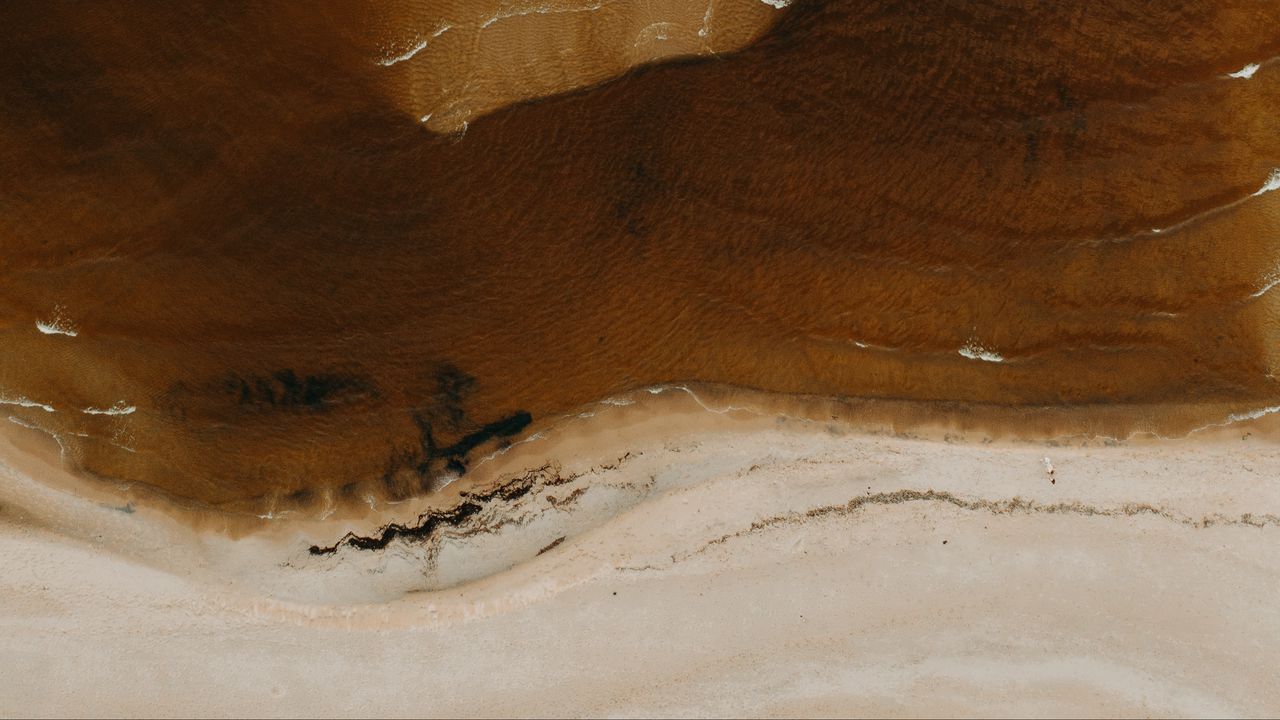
column 237, row 267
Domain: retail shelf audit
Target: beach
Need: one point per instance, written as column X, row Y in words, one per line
column 616, row 358
column 701, row 561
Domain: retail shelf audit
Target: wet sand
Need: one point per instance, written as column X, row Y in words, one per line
column 680, row 562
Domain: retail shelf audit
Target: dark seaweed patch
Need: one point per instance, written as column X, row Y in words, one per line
column 446, row 410
column 428, row 523
column 286, row 390
column 503, row 428
column 452, row 388
column 553, row 545
column 471, row 504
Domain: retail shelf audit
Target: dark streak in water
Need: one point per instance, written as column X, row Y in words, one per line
column 285, row 390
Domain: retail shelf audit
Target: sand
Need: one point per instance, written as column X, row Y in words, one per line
column 450, row 63
column 712, row 563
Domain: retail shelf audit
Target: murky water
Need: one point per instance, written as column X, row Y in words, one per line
column 236, row 266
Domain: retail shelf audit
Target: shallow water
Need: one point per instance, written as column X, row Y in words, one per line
column 237, row 267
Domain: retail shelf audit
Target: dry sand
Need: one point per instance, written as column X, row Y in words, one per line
column 713, row 563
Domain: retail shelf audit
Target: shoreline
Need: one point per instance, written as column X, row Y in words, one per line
column 609, row 448
column 794, row 568
column 697, row 407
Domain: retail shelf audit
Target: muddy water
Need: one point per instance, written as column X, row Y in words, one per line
column 237, row 266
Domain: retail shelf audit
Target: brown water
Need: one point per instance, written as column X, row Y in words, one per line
column 298, row 286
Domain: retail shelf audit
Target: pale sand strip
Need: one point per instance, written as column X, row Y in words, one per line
column 746, row 582
column 450, row 62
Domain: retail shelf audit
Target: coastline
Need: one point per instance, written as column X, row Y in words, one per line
column 641, row 415
column 835, row 537
column 348, row 346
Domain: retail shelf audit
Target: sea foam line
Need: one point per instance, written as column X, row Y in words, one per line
column 63, row 451
column 56, row 328
column 1245, row 72
column 705, row 30
column 1271, row 184
column 622, row 402
column 1251, row 69
column 59, row 325
column 119, row 408
column 419, row 47
column 1271, row 281
column 1239, row 417
column 975, row 351
column 540, row 10
column 406, row 55
column 22, row 401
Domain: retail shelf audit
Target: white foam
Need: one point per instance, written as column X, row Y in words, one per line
column 63, row 451
column 504, row 450
column 406, row 55
column 779, row 4
column 1251, row 414
column 705, row 30
column 59, row 325
column 1240, row 417
column 55, row 328
column 1245, row 72
column 974, row 351
column 1271, row 281
column 119, row 408
column 1272, row 183
column 617, row 401
column 26, row 402
column 659, row 389
column 862, row 344
column 539, row 10
column 655, row 31
column 23, row 423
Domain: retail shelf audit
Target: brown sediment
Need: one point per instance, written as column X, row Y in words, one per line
column 306, row 294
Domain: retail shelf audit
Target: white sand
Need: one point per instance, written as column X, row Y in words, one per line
column 720, row 570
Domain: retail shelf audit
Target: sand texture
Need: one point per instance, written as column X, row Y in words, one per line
column 640, row 358
column 682, row 563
